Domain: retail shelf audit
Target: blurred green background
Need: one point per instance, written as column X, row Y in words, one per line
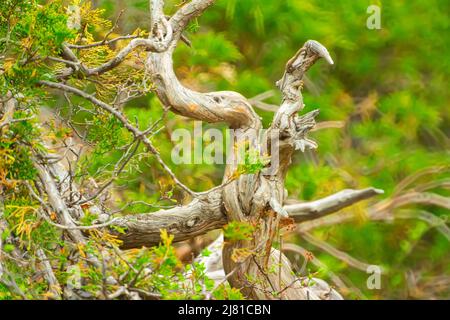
column 388, row 90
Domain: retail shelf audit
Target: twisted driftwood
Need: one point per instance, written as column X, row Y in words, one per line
column 252, row 265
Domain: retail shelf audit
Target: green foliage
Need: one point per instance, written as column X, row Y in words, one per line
column 15, row 154
column 42, row 28
column 169, row 277
column 29, row 31
column 228, row 294
column 214, row 50
column 105, row 132
column 253, row 162
column 237, row 230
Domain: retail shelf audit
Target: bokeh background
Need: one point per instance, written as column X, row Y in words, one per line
column 386, row 123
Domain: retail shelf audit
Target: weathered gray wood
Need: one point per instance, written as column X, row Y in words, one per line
column 186, row 222
column 291, row 130
column 256, row 198
column 315, row 209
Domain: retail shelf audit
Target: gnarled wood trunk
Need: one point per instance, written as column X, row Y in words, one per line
column 256, row 198
column 260, row 271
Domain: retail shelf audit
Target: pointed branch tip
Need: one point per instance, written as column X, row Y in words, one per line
column 320, row 50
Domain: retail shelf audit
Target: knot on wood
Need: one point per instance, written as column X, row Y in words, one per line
column 191, row 222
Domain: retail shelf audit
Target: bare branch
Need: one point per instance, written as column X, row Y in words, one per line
column 293, row 129
column 222, row 106
column 432, row 220
column 318, row 208
column 116, row 174
column 54, row 286
column 258, row 101
column 186, row 13
column 64, row 227
column 202, row 216
column 157, row 42
column 148, row 44
column 138, row 134
column 328, row 124
column 382, row 211
column 58, row 204
column 11, row 121
column 351, row 261
column 291, row 82
column 413, row 197
column 101, row 43
column 196, row 218
column 402, row 185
